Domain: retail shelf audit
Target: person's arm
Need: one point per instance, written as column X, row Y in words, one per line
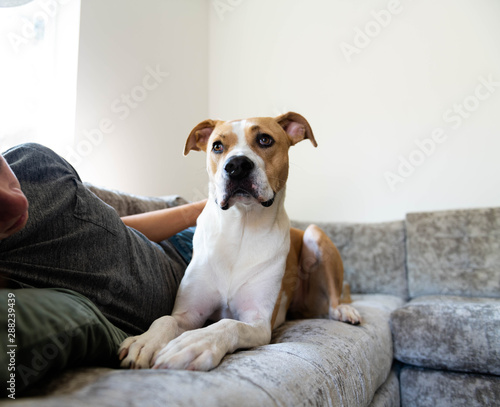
column 164, row 223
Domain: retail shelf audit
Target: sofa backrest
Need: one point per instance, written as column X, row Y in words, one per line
column 128, row 204
column 454, row 252
column 373, row 255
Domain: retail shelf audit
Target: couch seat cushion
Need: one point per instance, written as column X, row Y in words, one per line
column 388, row 395
column 448, row 332
column 309, row 362
column 430, row 388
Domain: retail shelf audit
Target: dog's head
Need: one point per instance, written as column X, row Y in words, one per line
column 247, row 160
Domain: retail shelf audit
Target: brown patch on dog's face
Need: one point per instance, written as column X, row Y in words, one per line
column 221, row 142
column 269, row 141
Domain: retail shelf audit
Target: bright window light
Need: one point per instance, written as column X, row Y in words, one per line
column 38, row 67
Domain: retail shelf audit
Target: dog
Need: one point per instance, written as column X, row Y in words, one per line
column 249, row 267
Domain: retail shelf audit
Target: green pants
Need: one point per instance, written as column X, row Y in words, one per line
column 46, row 330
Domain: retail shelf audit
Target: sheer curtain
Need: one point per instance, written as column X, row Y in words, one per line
column 38, row 67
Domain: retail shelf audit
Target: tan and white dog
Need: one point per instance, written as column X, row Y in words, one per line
column 249, row 268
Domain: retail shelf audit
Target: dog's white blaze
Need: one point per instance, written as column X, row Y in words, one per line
column 239, row 129
column 241, row 147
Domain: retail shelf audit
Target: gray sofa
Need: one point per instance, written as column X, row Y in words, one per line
column 448, row 334
column 428, row 290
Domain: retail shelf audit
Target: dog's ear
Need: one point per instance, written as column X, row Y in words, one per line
column 198, row 138
column 297, row 127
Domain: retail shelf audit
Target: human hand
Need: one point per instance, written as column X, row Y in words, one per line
column 13, row 202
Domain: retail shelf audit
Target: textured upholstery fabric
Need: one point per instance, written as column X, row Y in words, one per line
column 128, row 204
column 446, row 332
column 388, row 395
column 309, row 363
column 454, row 252
column 373, row 255
column 431, row 388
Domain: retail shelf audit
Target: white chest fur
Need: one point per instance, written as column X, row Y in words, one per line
column 239, row 250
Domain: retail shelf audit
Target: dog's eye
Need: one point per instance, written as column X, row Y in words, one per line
column 265, row 140
column 217, row 147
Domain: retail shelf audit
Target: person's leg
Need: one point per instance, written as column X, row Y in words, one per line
column 49, row 330
column 183, row 243
column 75, row 241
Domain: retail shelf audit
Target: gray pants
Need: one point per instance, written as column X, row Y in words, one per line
column 74, row 241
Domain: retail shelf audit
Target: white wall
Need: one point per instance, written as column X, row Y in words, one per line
column 39, row 54
column 367, row 107
column 240, row 58
column 146, row 118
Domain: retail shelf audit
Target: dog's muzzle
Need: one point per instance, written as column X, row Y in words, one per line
column 239, row 167
column 238, row 170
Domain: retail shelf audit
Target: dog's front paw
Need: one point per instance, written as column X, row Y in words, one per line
column 345, row 313
column 138, row 352
column 193, row 350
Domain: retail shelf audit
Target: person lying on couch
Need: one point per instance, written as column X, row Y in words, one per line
column 75, row 278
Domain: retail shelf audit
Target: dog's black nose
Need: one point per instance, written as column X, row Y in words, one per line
column 239, row 167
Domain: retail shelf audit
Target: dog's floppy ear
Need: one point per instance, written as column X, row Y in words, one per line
column 198, row 138
column 297, row 127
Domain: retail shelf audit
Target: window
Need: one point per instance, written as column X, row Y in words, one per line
column 38, row 66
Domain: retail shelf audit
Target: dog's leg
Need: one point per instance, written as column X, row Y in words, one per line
column 137, row 352
column 203, row 349
column 193, row 305
column 321, row 274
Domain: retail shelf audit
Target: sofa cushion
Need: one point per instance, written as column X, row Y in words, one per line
column 454, row 252
column 309, row 362
column 447, row 332
column 373, row 255
column 430, row 388
column 129, row 204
